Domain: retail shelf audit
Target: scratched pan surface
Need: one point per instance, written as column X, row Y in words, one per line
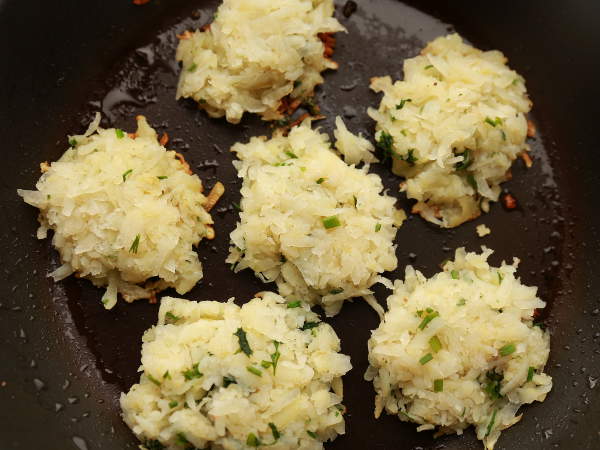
column 64, row 360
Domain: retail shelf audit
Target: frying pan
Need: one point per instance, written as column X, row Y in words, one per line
column 64, row 359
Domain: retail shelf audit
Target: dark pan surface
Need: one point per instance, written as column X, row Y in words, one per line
column 64, row 359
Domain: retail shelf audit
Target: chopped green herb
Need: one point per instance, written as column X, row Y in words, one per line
column 491, row 424
column 274, row 358
column 73, row 142
column 152, row 379
column 173, row 404
column 166, row 375
column 162, row 177
column 435, row 344
column 253, row 441
column 120, row 133
column 266, row 364
column 386, row 144
column 312, row 434
column 355, row 200
column 377, row 227
column 403, row 102
column 274, row 430
column 297, row 83
column 500, row 277
column 530, row 373
column 403, row 132
column 126, row 174
column 181, row 439
column 236, row 206
column 503, row 134
column 254, row 370
column 428, row 318
column 410, row 157
column 309, row 325
column 291, row 154
column 515, row 81
column 135, row 244
column 243, row 340
column 336, row 291
column 454, row 274
column 171, row 318
column 540, row 325
column 493, row 384
column 507, row 349
column 461, row 302
column 228, row 380
column 493, row 123
column 331, row 222
column 320, row 180
column 192, row 373
column 425, row 359
column 428, row 67
column 295, row 304
column 193, row 67
column 472, row 182
column 438, row 385
column 466, row 162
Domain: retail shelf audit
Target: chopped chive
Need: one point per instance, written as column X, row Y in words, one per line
column 126, row 174
column 120, row 133
column 461, row 302
column 403, row 102
column 507, row 349
column 320, row 180
column 377, row 227
column 438, row 385
column 135, row 244
column 503, row 134
column 435, row 344
column 386, row 144
column 454, row 274
column 266, row 364
column 466, row 162
column 500, row 277
column 152, row 379
column 309, row 325
column 291, row 154
column 472, row 181
column 228, row 380
column 171, row 318
column 274, row 430
column 73, row 142
column 243, row 341
column 530, row 373
column 295, row 304
column 428, row 318
column 331, row 222
column 312, row 434
column 166, row 375
column 162, row 177
column 193, row 67
column 428, row 67
column 253, row 441
column 275, row 356
column 173, row 404
column 493, row 385
column 493, row 123
column 254, row 370
column 192, row 373
column 491, row 424
column 336, row 291
column 425, row 359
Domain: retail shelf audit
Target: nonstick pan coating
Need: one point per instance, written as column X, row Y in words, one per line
column 64, row 359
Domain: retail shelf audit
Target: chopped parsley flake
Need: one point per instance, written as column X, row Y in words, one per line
column 331, row 222
column 425, row 359
column 153, row 445
column 320, row 180
column 472, row 181
column 171, row 318
column 403, row 102
column 173, row 404
column 377, row 227
column 166, row 375
column 312, row 434
column 275, row 431
column 120, row 133
column 243, row 340
column 181, row 439
column 461, row 302
column 162, row 177
column 253, row 441
column 295, row 304
column 508, row 349
column 193, row 67
column 493, row 384
column 438, row 385
column 73, row 142
column 309, row 325
column 454, row 274
column 135, row 244
column 192, row 373
column 336, row 291
column 254, row 371
column 435, row 344
column 126, row 174
column 228, row 380
column 291, row 154
column 386, row 144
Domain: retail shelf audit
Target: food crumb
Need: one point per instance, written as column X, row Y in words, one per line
column 482, row 230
